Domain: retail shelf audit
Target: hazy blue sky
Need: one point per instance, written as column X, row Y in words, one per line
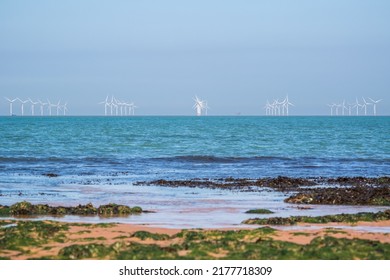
column 159, row 54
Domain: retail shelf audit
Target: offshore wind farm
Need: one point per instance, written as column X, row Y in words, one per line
column 114, row 107
column 349, row 109
column 45, row 107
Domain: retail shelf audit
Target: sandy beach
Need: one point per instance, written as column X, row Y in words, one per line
column 93, row 237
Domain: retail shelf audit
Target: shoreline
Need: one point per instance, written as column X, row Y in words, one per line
column 118, row 231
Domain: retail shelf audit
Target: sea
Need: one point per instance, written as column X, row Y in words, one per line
column 76, row 160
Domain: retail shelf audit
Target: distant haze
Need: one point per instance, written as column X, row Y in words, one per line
column 160, row 54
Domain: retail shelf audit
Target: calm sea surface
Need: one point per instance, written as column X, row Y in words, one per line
column 99, row 158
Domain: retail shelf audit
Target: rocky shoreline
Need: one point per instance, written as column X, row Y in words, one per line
column 25, row 208
column 335, row 191
column 343, row 196
column 23, row 239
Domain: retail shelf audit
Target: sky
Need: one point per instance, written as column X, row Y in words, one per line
column 160, row 54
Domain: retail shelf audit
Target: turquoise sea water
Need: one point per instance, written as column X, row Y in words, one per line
column 99, row 158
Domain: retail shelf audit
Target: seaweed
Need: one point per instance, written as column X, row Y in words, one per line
column 347, row 218
column 29, row 233
column 360, row 195
column 25, row 208
column 188, row 244
column 259, row 211
column 147, row 235
column 84, row 251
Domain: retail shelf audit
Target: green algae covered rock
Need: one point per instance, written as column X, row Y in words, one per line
column 25, row 208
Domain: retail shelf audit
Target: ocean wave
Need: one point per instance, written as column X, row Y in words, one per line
column 303, row 160
column 189, row 158
column 218, row 159
column 30, row 159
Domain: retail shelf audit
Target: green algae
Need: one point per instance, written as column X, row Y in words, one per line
column 301, row 234
column 114, row 209
column 143, row 235
column 85, row 251
column 335, row 231
column 136, row 251
column 25, row 208
column 338, row 218
column 4, row 211
column 259, row 211
column 188, row 244
column 83, row 232
column 103, row 225
column 30, row 233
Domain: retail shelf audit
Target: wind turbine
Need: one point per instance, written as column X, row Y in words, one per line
column 32, row 106
column 115, row 104
column 337, row 108
column 343, row 107
column 349, row 108
column 10, row 104
column 58, row 107
column 22, row 107
column 276, row 105
column 112, row 104
column 287, row 103
column 272, row 109
column 365, row 106
column 331, row 106
column 374, row 104
column 106, row 104
column 50, row 105
column 132, row 108
column 357, row 105
column 120, row 104
column 125, row 106
column 42, row 105
column 65, row 108
column 198, row 106
column 267, row 108
column 205, row 106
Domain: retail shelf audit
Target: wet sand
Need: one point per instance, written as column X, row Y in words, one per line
column 302, row 234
